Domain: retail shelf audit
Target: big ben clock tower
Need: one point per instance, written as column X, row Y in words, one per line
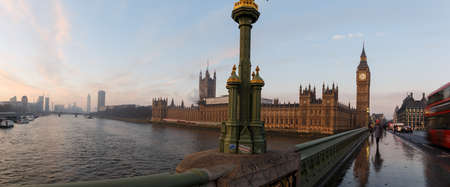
column 362, row 91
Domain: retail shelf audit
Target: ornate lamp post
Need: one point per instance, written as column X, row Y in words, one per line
column 243, row 132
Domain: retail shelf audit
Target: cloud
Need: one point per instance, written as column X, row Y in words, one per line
column 50, row 63
column 62, row 26
column 347, row 36
column 223, row 55
column 20, row 12
column 356, row 35
column 338, row 37
column 17, row 9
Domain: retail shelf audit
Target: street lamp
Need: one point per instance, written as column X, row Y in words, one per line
column 368, row 115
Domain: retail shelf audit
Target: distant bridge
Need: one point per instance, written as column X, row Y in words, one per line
column 70, row 113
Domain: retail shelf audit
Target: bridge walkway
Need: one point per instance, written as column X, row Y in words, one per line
column 397, row 162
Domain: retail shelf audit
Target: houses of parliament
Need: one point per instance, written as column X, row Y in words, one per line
column 325, row 115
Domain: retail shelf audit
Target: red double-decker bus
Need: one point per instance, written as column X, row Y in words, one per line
column 437, row 116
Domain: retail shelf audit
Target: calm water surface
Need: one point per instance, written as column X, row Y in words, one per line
column 55, row 149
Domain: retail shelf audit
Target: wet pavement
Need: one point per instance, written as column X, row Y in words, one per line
column 419, row 138
column 397, row 162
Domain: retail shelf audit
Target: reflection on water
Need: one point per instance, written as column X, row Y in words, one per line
column 396, row 163
column 377, row 161
column 361, row 166
column 66, row 149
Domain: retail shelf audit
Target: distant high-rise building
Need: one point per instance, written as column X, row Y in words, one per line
column 75, row 108
column 47, row 104
column 13, row 103
column 88, row 106
column 40, row 104
column 13, row 99
column 101, row 100
column 24, row 104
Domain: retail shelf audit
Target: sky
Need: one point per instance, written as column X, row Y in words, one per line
column 137, row 50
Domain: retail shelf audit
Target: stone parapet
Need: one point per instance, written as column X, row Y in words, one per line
column 244, row 170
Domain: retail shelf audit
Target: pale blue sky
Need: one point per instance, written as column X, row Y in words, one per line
column 136, row 50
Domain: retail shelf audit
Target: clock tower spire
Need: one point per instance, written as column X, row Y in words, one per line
column 363, row 54
column 363, row 91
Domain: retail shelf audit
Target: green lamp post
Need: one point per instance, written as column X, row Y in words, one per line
column 243, row 132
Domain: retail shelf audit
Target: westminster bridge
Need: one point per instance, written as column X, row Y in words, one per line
column 58, row 151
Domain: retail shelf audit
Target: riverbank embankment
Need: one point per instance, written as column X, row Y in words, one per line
column 209, row 125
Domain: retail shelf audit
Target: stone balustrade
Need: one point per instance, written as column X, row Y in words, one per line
column 322, row 157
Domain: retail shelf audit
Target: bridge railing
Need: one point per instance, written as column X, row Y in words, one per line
column 321, row 157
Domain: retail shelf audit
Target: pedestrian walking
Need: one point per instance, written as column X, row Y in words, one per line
column 378, row 131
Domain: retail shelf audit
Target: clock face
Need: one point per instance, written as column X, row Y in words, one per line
column 362, row 76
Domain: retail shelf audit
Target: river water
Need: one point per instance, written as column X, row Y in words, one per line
column 55, row 149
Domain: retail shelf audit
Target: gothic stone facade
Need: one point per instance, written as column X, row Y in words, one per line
column 310, row 115
column 207, row 86
column 363, row 91
column 159, row 109
column 412, row 112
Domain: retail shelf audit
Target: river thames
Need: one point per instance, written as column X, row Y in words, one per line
column 55, row 149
